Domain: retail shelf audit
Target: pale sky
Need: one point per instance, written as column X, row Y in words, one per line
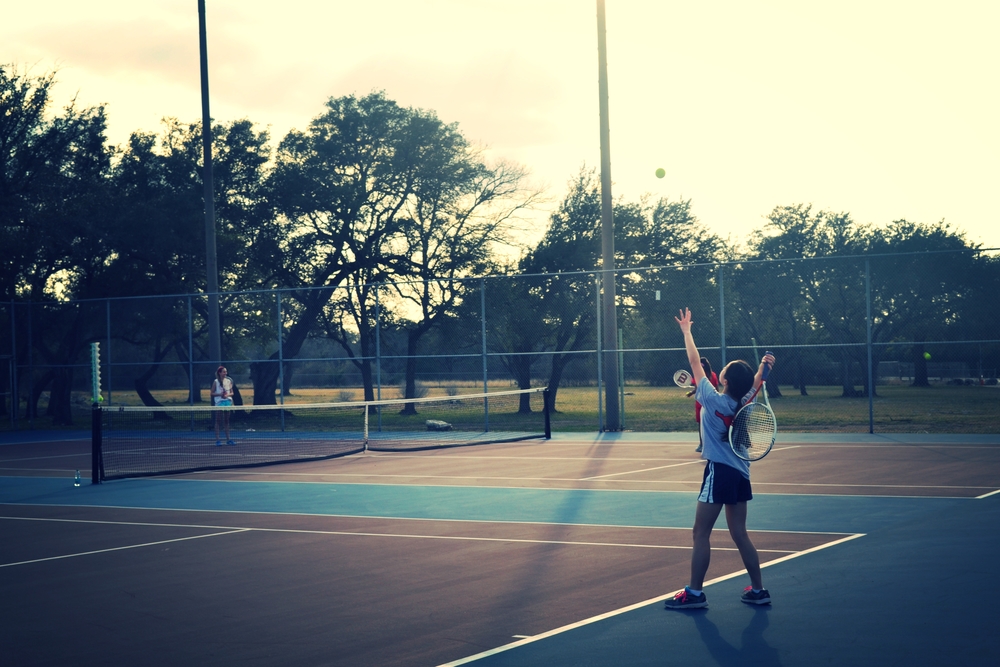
column 886, row 109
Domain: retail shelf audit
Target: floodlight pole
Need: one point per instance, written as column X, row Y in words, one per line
column 211, row 261
column 611, row 391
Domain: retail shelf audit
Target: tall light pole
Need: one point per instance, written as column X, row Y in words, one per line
column 211, row 261
column 611, row 389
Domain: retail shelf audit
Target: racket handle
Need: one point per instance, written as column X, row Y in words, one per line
column 767, row 367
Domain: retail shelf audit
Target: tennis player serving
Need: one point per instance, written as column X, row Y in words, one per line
column 726, row 481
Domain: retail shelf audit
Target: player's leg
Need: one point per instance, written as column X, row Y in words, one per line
column 736, row 518
column 692, row 597
column 704, row 521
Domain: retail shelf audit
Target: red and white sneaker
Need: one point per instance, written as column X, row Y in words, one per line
column 685, row 600
column 760, row 597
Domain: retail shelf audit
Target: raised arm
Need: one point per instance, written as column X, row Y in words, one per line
column 766, row 360
column 694, row 358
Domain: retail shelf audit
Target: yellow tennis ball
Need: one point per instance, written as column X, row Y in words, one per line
column 927, row 355
column 660, row 173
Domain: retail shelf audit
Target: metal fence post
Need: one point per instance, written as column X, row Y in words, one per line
column 378, row 349
column 482, row 322
column 107, row 355
column 621, row 380
column 31, row 372
column 190, row 352
column 600, row 355
column 482, row 319
column 722, row 316
column 868, row 321
column 15, row 397
column 378, row 361
column 281, row 355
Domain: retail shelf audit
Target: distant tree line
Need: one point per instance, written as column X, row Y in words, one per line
column 373, row 194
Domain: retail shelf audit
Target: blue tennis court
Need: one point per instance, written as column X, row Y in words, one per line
column 876, row 549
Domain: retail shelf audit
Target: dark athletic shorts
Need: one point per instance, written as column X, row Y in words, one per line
column 724, row 484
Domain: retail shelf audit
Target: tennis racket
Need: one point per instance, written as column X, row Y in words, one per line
column 751, row 435
column 683, row 379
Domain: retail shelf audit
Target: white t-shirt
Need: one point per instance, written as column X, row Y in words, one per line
column 217, row 390
column 717, row 414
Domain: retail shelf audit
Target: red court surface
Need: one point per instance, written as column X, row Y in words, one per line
column 423, row 558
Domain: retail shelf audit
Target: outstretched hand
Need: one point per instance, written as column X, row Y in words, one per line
column 685, row 320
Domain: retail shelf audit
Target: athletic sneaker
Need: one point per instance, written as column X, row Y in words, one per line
column 761, row 597
column 218, row 443
column 230, row 442
column 698, row 448
column 685, row 600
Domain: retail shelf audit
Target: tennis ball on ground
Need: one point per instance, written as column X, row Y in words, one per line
column 927, row 355
column 660, row 173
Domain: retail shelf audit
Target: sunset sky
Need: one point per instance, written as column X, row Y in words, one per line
column 882, row 108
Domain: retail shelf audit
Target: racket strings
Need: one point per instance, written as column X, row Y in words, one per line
column 753, row 431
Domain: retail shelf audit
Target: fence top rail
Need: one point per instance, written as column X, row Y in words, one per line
column 593, row 272
column 301, row 406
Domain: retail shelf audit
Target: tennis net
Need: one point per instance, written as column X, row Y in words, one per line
column 138, row 441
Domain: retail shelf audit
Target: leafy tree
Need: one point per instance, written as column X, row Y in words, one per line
column 561, row 268
column 563, row 291
column 514, row 329
column 918, row 297
column 372, row 191
column 51, row 198
column 459, row 211
column 156, row 236
column 912, row 297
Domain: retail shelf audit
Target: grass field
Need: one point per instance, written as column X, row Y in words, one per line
column 897, row 408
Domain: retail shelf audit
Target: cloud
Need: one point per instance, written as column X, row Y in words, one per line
column 497, row 99
column 139, row 47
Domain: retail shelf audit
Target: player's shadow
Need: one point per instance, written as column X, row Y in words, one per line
column 753, row 649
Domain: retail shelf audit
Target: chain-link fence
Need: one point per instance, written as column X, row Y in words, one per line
column 905, row 342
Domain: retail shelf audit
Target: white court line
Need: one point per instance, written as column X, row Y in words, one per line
column 272, row 473
column 873, row 486
column 55, row 438
column 987, row 495
column 785, row 437
column 685, row 528
column 892, row 444
column 375, row 475
column 441, row 454
column 42, row 458
column 638, row 605
column 215, row 478
column 132, row 546
column 633, row 472
column 458, row 538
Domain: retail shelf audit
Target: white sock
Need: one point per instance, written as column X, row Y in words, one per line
column 692, row 591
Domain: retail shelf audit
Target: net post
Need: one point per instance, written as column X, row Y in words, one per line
column 548, row 425
column 365, row 408
column 96, row 458
column 486, row 413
